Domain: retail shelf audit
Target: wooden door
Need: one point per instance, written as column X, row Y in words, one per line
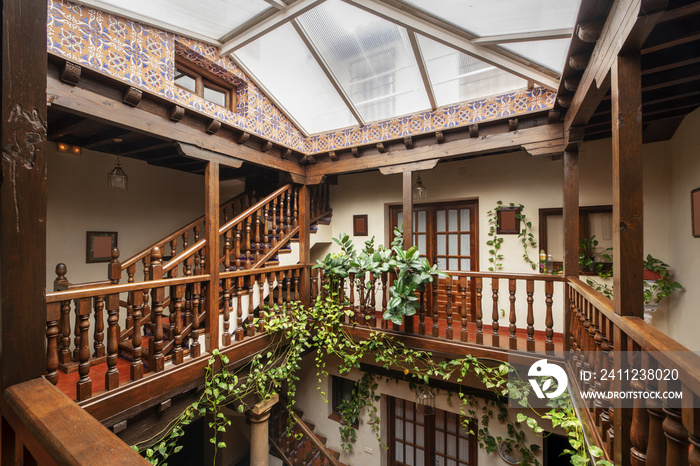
column 436, row 440
column 447, row 235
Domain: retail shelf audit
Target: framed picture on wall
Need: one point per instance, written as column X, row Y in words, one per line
column 508, row 221
column 359, row 225
column 695, row 211
column 99, row 246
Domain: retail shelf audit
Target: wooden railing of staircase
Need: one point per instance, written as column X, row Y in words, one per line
column 653, row 432
column 461, row 307
column 296, row 443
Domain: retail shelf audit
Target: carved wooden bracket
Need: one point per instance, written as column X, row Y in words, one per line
column 70, row 73
column 213, row 126
column 132, row 96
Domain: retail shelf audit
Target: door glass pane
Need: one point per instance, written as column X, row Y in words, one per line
column 421, row 243
column 464, row 219
column 398, row 448
column 451, row 445
column 409, row 455
column 454, row 264
column 442, row 263
column 453, row 246
column 439, row 441
column 441, row 244
column 451, row 422
column 421, row 221
column 441, row 225
column 420, row 457
column 409, row 411
column 465, row 248
column 409, row 432
column 451, row 463
column 399, row 222
column 420, row 435
column 465, row 264
column 463, row 448
column 399, row 427
column 453, row 219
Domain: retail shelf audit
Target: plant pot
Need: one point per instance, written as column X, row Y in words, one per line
column 651, row 275
column 649, row 309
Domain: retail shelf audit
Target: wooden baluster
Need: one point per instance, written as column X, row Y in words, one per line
column 280, row 221
column 421, row 312
column 195, row 346
column 639, row 428
column 84, row 384
column 261, row 305
column 146, row 277
column 295, row 209
column 288, row 220
column 248, row 247
column 479, row 313
column 530, row 290
column 610, row 443
column 677, row 443
column 273, row 233
column 280, row 289
column 258, row 235
column 513, row 339
column 112, row 375
column 448, row 307
column 64, row 356
column 157, row 298
column 76, row 332
column 604, row 366
column 271, row 277
column 464, row 331
column 361, row 292
column 296, row 296
column 573, row 296
column 351, row 283
column 549, row 321
column 593, row 345
column 237, row 247
column 495, row 338
column 434, row 310
column 99, row 335
column 288, row 287
column 53, row 315
column 177, row 296
column 266, row 231
column 692, row 423
column 130, row 272
column 250, row 329
column 240, row 332
column 136, row 369
column 385, row 302
column 372, row 309
column 598, row 356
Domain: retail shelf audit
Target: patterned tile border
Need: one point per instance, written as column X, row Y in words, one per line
column 144, row 57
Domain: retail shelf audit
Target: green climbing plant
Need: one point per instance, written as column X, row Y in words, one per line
column 526, row 237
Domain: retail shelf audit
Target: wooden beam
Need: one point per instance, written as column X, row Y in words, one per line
column 487, row 143
column 415, row 166
column 273, row 22
column 626, row 27
column 407, row 196
column 564, row 33
column 279, row 4
column 202, row 154
column 211, row 222
column 571, row 229
column 405, row 18
column 628, row 239
column 89, row 104
column 420, row 60
column 23, row 192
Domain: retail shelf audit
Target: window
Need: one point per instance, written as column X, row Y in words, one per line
column 342, row 391
column 204, row 84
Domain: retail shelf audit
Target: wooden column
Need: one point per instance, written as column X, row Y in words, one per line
column 571, row 230
column 211, row 220
column 628, row 240
column 304, row 244
column 23, row 191
column 407, row 210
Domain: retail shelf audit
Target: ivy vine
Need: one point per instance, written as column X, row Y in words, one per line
column 526, row 237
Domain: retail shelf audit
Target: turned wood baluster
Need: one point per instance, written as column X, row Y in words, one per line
column 195, row 346
column 288, row 222
column 448, row 307
column 530, row 290
column 639, row 428
column 130, row 272
column 84, row 384
column 513, row 339
column 227, row 250
column 76, row 332
column 598, row 356
column 146, row 306
column 258, row 235
column 273, row 232
column 692, row 423
column 266, row 228
column 248, row 247
column 288, row 287
column 280, row 220
column 464, row 332
column 479, row 314
column 677, row 443
column 593, row 333
column 656, row 444
column 549, row 320
column 295, row 210
column 421, row 312
column 361, row 293
column 372, row 309
column 136, row 369
column 250, row 329
column 64, row 356
column 53, row 315
column 434, row 311
column 604, row 366
column 495, row 338
column 99, row 335
column 240, row 332
column 610, row 443
column 226, row 334
column 351, row 284
column 280, row 288
column 260, row 310
column 237, row 247
column 186, row 270
column 271, row 277
column 157, row 298
column 296, row 287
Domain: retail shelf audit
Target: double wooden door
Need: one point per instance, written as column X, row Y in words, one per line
column 440, row 439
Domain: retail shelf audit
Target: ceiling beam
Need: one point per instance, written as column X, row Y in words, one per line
column 195, row 152
column 269, row 24
column 552, row 134
column 423, row 69
column 445, row 36
column 524, row 37
column 279, row 4
column 327, row 70
column 627, row 26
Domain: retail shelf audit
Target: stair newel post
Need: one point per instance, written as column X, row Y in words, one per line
column 448, row 308
column 136, row 369
column 463, row 332
column 195, row 347
column 84, row 384
column 99, row 335
column 157, row 298
column 53, row 315
column 530, row 290
column 60, row 283
column 549, row 320
column 478, row 281
column 495, row 337
column 250, row 329
column 512, row 317
column 434, row 308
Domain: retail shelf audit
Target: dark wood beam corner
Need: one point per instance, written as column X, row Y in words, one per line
column 286, row 154
column 176, row 113
column 553, row 116
column 132, row 96
column 439, row 137
column 309, row 160
column 574, row 137
column 355, row 152
column 315, row 179
column 333, row 156
column 408, row 142
column 266, row 146
column 213, row 126
column 512, row 124
column 70, row 73
column 243, row 137
column 474, row 131
column 381, row 148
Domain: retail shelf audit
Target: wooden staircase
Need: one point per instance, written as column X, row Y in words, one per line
column 297, row 444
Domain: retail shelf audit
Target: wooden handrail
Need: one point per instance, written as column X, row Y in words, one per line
column 56, row 430
column 251, row 210
column 245, row 273
column 184, row 255
column 515, row 276
column 317, row 443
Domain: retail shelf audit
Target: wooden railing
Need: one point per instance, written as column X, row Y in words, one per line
column 466, row 306
column 653, row 432
column 297, row 445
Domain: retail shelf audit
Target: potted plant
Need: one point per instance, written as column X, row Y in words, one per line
column 658, row 284
column 589, row 258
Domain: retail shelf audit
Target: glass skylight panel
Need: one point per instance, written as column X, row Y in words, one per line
column 549, row 53
column 496, row 17
column 208, row 18
column 371, row 58
column 281, row 61
column 457, row 77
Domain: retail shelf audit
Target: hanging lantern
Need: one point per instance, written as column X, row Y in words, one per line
column 419, row 191
column 117, row 178
column 425, row 400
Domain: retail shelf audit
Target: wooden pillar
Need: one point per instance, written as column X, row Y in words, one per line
column 259, row 437
column 211, row 220
column 407, row 209
column 628, row 240
column 23, row 191
column 305, row 244
column 571, row 230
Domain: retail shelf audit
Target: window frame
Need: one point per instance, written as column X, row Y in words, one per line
column 204, row 78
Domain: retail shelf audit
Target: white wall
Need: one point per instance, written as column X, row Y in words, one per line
column 158, row 202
